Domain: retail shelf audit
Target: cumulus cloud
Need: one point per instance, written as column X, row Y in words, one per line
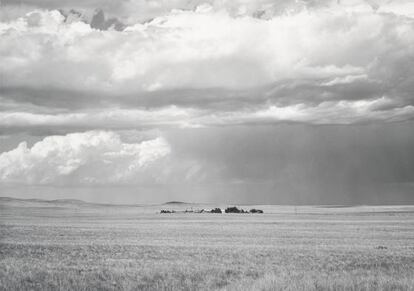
column 217, row 63
column 195, row 49
column 94, row 157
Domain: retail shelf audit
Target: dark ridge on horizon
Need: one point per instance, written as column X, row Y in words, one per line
column 69, row 201
column 176, row 203
column 61, row 201
column 340, row 206
column 79, row 202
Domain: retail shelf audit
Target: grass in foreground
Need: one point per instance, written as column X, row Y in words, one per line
column 111, row 248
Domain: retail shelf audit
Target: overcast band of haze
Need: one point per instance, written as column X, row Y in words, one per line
column 296, row 101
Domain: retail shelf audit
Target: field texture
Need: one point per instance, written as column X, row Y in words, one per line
column 69, row 245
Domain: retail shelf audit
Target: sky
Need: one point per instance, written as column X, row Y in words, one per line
column 249, row 102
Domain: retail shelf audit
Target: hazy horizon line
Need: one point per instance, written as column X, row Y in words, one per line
column 80, row 201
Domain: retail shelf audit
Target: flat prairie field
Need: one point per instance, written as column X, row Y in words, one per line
column 70, row 245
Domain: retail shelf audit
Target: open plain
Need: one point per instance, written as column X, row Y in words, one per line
column 72, row 245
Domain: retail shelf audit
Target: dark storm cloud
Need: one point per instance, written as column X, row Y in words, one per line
column 48, row 99
column 309, row 164
column 292, row 101
column 282, row 93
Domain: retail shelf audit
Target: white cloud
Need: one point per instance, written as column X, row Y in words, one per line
column 94, row 157
column 197, row 49
column 114, row 118
column 348, row 53
column 340, row 112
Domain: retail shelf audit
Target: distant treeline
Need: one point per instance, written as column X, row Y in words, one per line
column 233, row 209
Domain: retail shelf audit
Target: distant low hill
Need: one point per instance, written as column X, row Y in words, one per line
column 175, row 203
column 20, row 202
column 67, row 201
column 72, row 203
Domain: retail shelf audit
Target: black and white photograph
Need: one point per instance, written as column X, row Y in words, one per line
column 223, row 145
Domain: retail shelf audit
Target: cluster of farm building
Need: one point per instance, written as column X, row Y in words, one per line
column 215, row 210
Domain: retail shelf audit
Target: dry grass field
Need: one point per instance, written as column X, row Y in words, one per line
column 71, row 245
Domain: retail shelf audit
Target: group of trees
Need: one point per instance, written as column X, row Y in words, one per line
column 237, row 210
